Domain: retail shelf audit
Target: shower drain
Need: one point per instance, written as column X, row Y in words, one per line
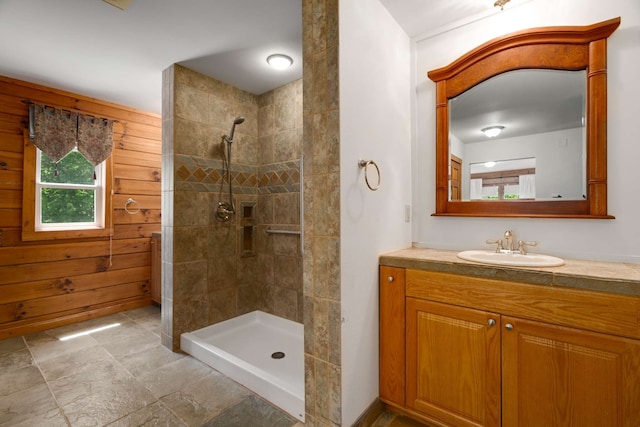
column 277, row 355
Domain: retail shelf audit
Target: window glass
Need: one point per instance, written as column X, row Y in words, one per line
column 74, row 168
column 68, row 194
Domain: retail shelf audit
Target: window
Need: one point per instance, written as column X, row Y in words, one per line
column 67, row 204
column 67, row 195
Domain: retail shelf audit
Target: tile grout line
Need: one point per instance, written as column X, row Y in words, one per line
column 46, row 382
column 158, row 399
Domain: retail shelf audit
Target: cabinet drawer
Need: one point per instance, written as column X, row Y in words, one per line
column 594, row 311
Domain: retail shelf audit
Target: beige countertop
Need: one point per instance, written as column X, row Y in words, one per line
column 613, row 277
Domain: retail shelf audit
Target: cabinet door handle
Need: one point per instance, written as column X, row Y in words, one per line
column 508, row 327
column 390, row 279
column 492, row 322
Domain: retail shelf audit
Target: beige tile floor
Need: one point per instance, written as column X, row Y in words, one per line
column 122, row 377
column 119, row 377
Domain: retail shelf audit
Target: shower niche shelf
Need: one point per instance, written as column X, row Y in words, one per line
column 247, row 229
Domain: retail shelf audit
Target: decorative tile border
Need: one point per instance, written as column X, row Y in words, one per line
column 279, row 177
column 199, row 174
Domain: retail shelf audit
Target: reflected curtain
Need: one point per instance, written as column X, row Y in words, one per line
column 475, row 190
column 527, row 186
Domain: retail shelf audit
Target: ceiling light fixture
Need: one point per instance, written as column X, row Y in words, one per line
column 279, row 61
column 501, row 3
column 492, row 131
column 489, row 164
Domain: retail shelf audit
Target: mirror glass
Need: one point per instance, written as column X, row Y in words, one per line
column 540, row 151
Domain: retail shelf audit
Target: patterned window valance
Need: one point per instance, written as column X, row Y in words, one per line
column 57, row 132
column 95, row 138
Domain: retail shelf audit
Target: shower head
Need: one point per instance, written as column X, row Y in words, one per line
column 238, row 120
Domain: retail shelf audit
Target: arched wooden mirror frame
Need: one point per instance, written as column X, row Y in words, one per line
column 560, row 48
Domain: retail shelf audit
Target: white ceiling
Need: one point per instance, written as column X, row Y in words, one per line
column 422, row 16
column 94, row 49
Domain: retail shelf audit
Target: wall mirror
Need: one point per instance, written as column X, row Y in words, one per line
column 543, row 92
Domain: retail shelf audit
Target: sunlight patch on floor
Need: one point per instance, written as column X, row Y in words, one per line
column 87, row 332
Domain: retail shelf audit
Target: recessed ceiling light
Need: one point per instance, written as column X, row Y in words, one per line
column 279, row 61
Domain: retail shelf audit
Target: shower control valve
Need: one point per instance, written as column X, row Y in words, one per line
column 224, row 212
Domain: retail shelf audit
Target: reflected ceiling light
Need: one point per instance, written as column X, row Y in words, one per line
column 489, row 164
column 492, row 131
column 279, row 61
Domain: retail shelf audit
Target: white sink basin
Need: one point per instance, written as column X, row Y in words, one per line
column 512, row 259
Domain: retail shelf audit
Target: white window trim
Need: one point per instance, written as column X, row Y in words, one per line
column 99, row 200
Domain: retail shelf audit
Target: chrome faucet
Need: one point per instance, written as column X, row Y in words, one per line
column 508, row 237
column 508, row 246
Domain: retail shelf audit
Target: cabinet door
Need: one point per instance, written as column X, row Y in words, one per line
column 556, row 376
column 392, row 333
column 453, row 363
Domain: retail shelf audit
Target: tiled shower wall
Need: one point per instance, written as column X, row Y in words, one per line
column 280, row 148
column 321, row 275
column 213, row 271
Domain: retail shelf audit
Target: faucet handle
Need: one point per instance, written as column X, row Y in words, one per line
column 522, row 246
column 494, row 242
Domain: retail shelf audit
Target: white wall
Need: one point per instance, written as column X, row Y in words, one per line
column 612, row 240
column 375, row 124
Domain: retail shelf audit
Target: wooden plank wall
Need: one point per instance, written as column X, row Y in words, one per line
column 51, row 283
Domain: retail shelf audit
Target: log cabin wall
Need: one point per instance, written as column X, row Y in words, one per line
column 44, row 284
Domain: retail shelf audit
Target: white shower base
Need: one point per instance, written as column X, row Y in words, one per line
column 242, row 348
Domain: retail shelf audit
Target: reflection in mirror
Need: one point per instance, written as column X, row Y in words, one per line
column 503, row 180
column 540, row 115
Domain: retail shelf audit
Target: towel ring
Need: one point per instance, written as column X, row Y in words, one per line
column 364, row 164
column 136, row 208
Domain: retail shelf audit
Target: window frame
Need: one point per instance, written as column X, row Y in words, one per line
column 32, row 231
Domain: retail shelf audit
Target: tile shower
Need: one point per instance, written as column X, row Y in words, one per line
column 321, row 273
column 218, row 270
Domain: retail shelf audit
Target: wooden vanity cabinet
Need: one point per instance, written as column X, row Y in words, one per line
column 481, row 352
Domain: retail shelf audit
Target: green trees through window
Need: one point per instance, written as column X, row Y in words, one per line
column 68, row 195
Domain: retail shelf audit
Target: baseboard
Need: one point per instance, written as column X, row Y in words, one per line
column 370, row 415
